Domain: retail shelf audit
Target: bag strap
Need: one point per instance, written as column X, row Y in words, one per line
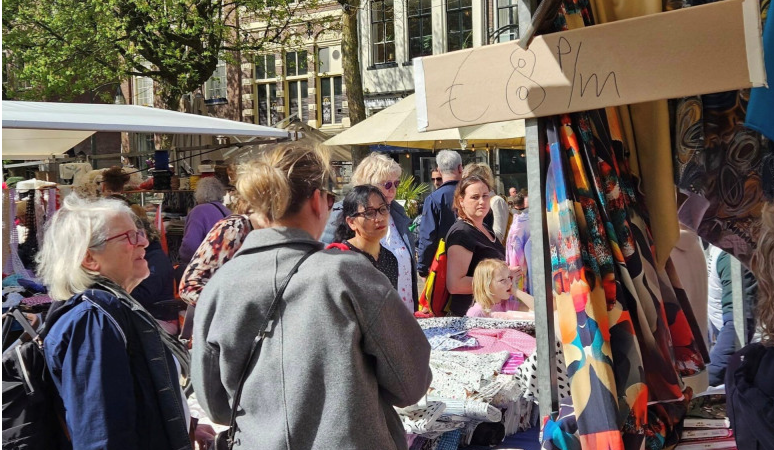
column 255, row 349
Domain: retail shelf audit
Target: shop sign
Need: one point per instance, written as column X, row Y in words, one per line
column 698, row 50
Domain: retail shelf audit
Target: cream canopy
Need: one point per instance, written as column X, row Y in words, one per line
column 397, row 126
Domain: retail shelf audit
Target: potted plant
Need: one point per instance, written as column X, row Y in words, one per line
column 410, row 192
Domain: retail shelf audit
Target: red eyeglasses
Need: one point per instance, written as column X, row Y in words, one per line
column 133, row 236
column 390, row 184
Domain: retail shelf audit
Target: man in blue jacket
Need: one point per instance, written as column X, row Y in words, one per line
column 437, row 214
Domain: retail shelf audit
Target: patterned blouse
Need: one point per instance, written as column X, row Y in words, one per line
column 394, row 243
column 218, row 247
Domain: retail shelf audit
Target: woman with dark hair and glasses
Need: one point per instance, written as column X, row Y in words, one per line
column 383, row 172
column 361, row 226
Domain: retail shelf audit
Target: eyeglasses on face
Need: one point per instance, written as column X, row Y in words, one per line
column 391, row 184
column 437, row 180
column 133, row 236
column 370, row 213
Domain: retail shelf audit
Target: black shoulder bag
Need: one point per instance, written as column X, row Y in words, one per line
column 225, row 439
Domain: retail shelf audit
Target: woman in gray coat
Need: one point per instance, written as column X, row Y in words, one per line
column 341, row 350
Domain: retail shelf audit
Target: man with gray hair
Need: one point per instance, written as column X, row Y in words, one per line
column 437, row 214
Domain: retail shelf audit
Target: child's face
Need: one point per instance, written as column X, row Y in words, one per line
column 502, row 284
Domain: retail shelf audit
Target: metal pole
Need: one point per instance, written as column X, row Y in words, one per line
column 737, row 289
column 540, row 269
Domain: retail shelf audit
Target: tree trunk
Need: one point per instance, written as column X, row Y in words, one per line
column 352, row 78
column 167, row 98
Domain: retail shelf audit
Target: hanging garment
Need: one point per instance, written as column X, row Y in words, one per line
column 632, row 392
column 582, row 313
column 760, row 110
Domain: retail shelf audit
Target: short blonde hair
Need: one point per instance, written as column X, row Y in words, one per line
column 374, row 169
column 278, row 182
column 762, row 264
column 79, row 225
column 483, row 277
column 480, row 170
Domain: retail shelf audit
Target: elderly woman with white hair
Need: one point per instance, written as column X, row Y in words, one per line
column 383, row 172
column 208, row 211
column 113, row 367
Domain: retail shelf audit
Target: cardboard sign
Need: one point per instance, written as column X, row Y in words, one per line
column 703, row 49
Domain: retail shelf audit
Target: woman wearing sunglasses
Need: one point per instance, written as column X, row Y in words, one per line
column 361, row 226
column 383, row 172
column 113, row 367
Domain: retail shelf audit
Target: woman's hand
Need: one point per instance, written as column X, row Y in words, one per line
column 204, row 436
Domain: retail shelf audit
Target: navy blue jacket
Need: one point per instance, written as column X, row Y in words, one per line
column 437, row 218
column 159, row 286
column 117, row 380
column 750, row 396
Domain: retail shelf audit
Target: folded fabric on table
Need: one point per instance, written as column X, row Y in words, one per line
column 459, row 374
column 526, row 376
column 497, row 340
column 467, row 323
column 514, row 362
column 444, row 338
column 472, row 409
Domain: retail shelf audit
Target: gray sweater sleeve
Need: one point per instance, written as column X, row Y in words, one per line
column 401, row 350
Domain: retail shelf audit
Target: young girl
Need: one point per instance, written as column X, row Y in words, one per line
column 494, row 293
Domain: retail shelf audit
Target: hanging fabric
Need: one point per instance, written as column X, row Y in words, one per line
column 582, row 313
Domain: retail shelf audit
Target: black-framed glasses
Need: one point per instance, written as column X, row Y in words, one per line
column 390, row 184
column 133, row 236
column 437, row 180
column 370, row 213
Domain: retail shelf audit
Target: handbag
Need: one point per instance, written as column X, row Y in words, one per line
column 225, row 439
column 434, row 299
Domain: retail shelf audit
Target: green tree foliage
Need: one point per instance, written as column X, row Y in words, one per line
column 63, row 48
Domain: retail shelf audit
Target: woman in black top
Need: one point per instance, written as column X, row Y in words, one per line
column 469, row 242
column 363, row 223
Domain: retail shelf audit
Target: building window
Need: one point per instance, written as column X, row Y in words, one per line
column 265, row 101
column 143, row 91
column 507, row 20
column 459, row 23
column 420, row 28
column 215, row 87
column 143, row 142
column 332, row 100
column 383, row 31
column 264, row 67
column 295, row 63
column 298, row 93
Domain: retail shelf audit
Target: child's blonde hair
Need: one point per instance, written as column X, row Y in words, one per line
column 483, row 277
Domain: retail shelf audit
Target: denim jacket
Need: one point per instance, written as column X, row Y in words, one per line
column 115, row 375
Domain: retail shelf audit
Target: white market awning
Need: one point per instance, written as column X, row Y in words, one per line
column 34, row 130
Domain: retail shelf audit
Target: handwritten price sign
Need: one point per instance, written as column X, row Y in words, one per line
column 698, row 50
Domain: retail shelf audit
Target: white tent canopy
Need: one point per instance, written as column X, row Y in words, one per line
column 33, row 130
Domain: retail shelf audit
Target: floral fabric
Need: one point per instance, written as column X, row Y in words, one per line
column 218, row 247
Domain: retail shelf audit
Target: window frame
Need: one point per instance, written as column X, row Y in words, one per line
column 140, row 90
column 513, row 32
column 387, row 26
column 459, row 13
column 419, row 15
column 336, row 116
column 216, row 87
